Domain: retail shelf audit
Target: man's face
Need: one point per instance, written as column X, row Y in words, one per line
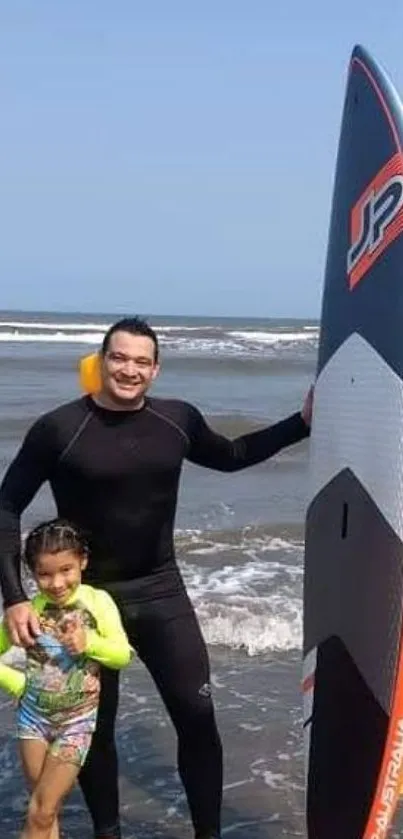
column 128, row 368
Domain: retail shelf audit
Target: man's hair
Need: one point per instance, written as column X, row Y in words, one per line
column 134, row 326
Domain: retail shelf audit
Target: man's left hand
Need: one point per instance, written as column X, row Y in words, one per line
column 307, row 407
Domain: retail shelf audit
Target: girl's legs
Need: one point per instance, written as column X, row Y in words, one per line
column 52, row 781
column 33, row 754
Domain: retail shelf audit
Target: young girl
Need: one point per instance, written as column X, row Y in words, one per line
column 59, row 692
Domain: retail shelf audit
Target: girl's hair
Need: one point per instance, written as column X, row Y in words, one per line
column 52, row 537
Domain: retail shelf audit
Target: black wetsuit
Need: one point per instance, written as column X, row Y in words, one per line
column 116, row 474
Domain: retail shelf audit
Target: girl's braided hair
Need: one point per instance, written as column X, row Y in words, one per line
column 53, row 537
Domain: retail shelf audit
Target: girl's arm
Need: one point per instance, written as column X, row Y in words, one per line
column 11, row 679
column 108, row 644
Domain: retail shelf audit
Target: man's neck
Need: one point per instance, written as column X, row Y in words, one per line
column 105, row 401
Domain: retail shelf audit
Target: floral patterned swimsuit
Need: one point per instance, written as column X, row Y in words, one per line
column 59, row 692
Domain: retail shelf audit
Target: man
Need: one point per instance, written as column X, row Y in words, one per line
column 113, row 462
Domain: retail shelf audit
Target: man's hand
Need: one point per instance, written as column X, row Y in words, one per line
column 22, row 624
column 307, row 407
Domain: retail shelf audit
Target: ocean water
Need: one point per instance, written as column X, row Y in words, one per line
column 240, row 547
column 239, row 537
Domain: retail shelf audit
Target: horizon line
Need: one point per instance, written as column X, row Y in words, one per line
column 149, row 315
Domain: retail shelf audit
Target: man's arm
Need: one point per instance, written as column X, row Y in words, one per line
column 207, row 448
column 27, row 473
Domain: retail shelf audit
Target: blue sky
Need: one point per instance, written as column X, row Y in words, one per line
column 174, row 157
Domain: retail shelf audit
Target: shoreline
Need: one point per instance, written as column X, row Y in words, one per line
column 259, row 712
column 259, row 717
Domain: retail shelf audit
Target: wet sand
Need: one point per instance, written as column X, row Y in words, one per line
column 259, row 713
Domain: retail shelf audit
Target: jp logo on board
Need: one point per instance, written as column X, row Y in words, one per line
column 376, row 219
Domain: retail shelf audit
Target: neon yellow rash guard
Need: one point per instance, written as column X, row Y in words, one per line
column 50, row 668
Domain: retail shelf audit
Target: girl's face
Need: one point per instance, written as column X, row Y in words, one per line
column 59, row 574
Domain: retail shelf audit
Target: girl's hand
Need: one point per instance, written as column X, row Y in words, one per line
column 75, row 640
